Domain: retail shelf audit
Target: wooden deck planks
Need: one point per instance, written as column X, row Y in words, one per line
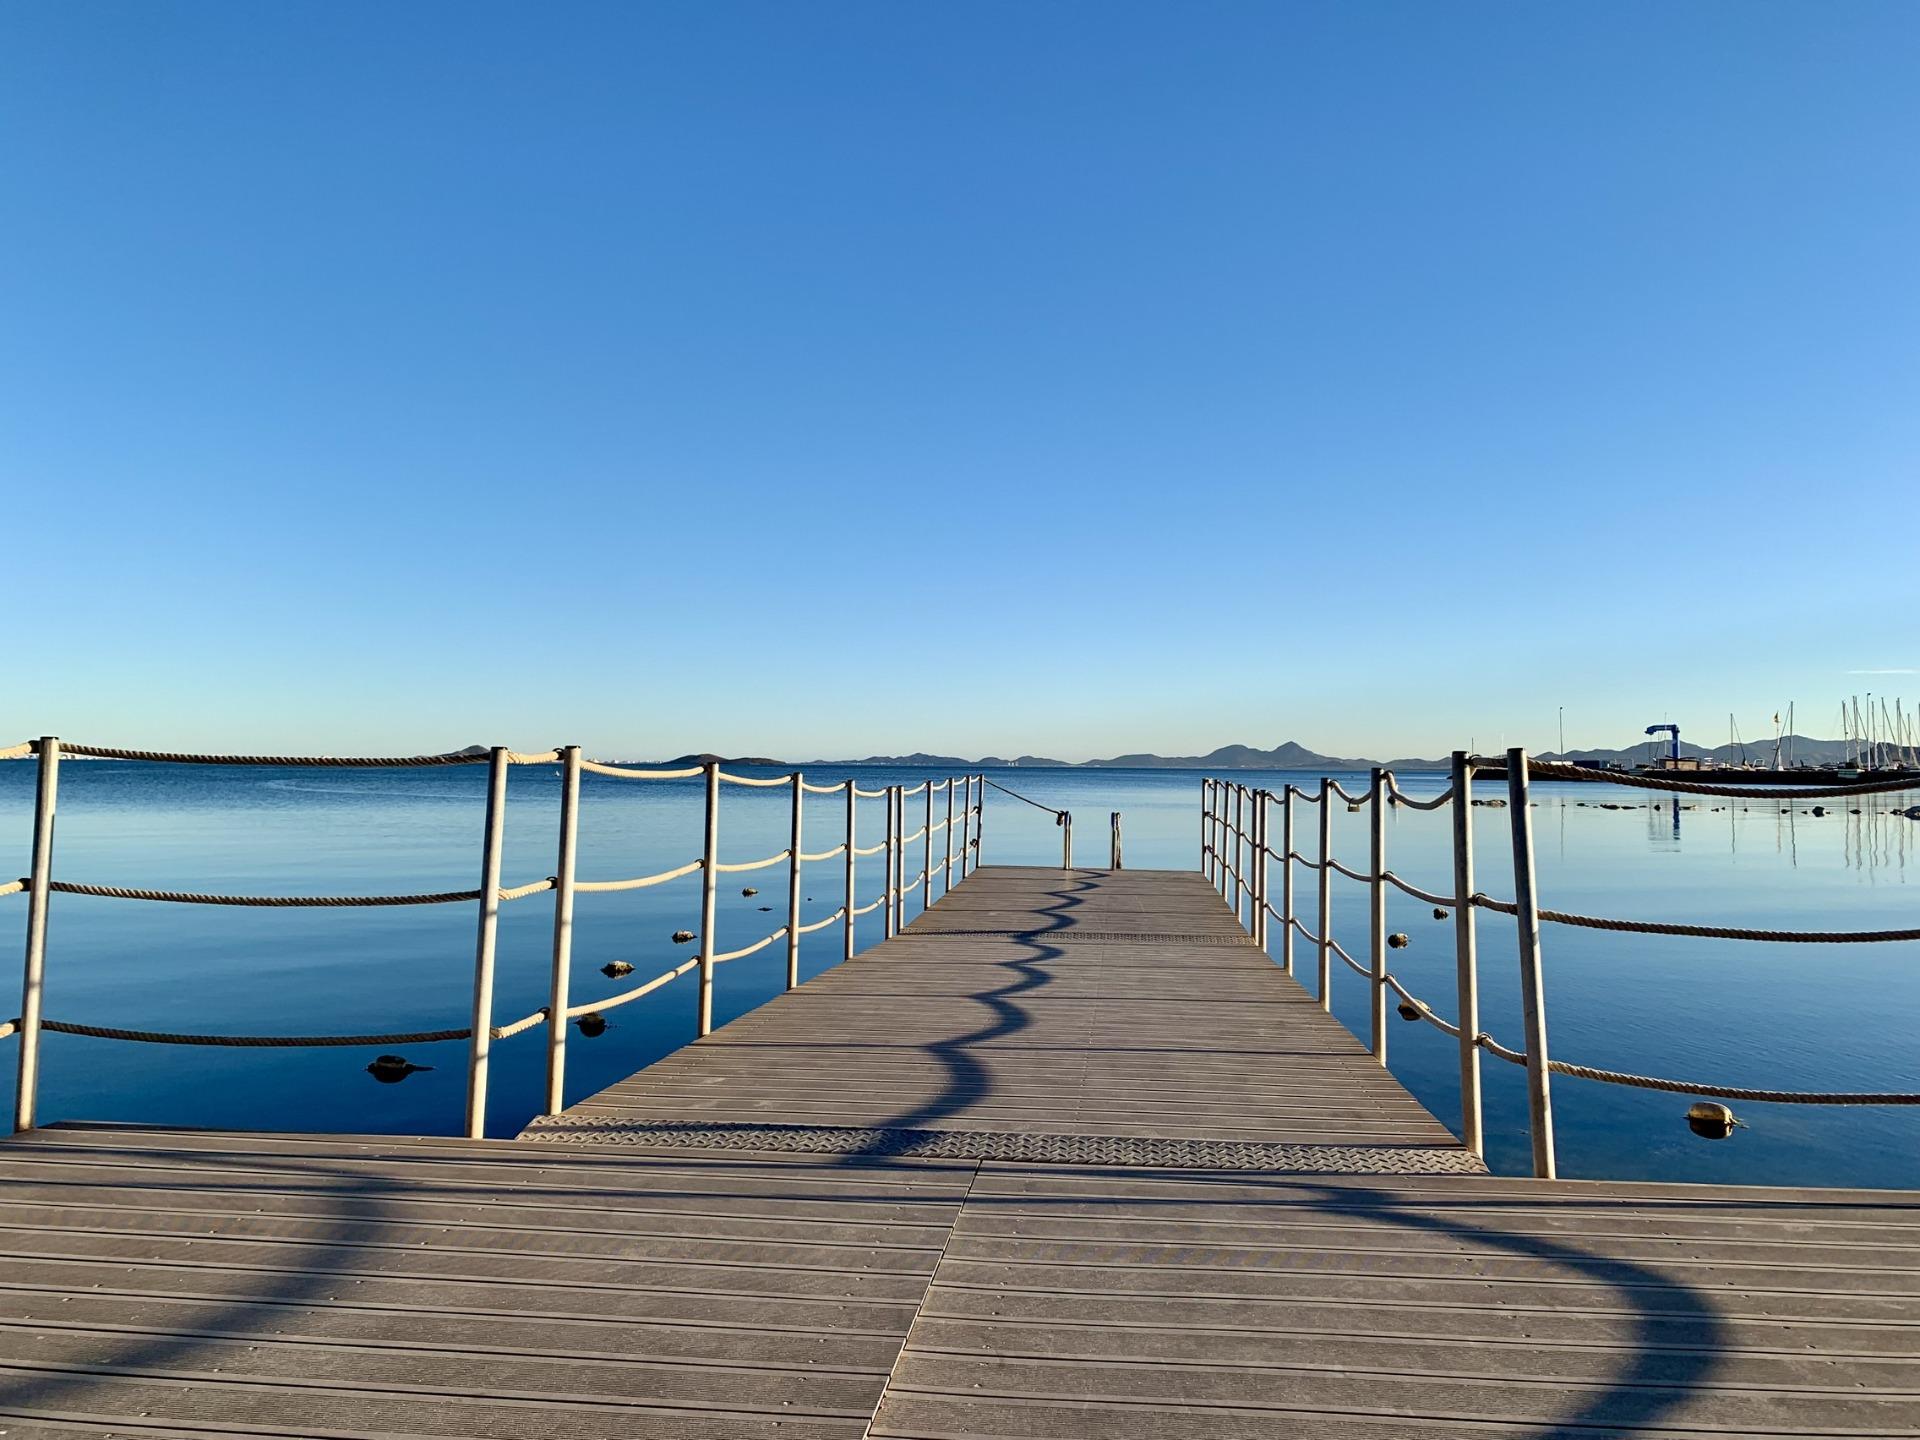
column 331, row 1285
column 618, row 1280
column 1080, row 1303
column 1032, row 1001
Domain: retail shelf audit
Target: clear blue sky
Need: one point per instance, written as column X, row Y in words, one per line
column 840, row 377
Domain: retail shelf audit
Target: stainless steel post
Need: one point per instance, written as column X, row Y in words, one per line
column 1066, row 840
column 1466, row 958
column 793, row 879
column 853, row 862
column 709, row 894
column 34, row 968
column 1286, row 880
column 1326, row 894
column 889, row 853
column 482, row 1038
column 559, row 982
column 1533, row 999
column 1206, row 828
column 1377, row 926
column 946, row 879
column 926, row 872
column 1239, row 869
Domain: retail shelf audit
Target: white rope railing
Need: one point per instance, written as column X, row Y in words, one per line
column 1222, row 819
column 490, row 896
column 607, row 887
column 746, row 865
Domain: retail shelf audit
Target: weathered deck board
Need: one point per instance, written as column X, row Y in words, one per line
column 1078, row 1004
column 638, row 1272
column 1114, row 1304
column 330, row 1285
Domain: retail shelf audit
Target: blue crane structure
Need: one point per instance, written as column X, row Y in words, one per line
column 1673, row 744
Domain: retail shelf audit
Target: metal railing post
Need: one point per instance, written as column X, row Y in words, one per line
column 793, row 880
column 709, row 893
column 1466, row 956
column 1239, row 840
column 482, row 1038
column 926, row 873
column 560, row 980
column 1533, row 998
column 1220, row 881
column 34, row 966
column 1260, row 876
column 1326, row 894
column 1066, row 840
column 853, row 862
column 1377, row 906
column 1286, row 880
column 1116, row 842
column 966, row 825
column 980, row 824
column 1206, row 829
column 889, row 848
column 946, row 879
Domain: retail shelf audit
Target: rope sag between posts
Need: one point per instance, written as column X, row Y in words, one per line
column 14, row 887
column 350, row 762
column 1414, row 890
column 1705, row 932
column 184, row 897
column 1684, row 1087
column 1400, row 797
column 1024, row 799
column 1555, row 770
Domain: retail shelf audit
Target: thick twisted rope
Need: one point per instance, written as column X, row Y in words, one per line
column 20, row 751
column 1556, row 770
column 870, row 849
column 727, row 779
column 1416, row 891
column 747, row 865
column 812, row 789
column 591, row 887
column 187, row 897
column 752, row 949
column 809, row 855
column 251, row 1042
column 1400, row 797
column 1023, row 798
column 532, row 887
column 1365, row 878
column 1706, row 932
column 628, row 772
column 822, row 924
column 866, row 909
column 574, row 1012
column 1335, row 787
column 14, row 887
column 1687, row 1087
column 352, row 762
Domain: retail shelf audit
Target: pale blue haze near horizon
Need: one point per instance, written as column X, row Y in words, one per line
column 856, row 377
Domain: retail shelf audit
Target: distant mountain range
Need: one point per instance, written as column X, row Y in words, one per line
column 1291, row 755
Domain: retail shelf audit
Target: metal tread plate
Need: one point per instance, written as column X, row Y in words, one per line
column 1268, row 1156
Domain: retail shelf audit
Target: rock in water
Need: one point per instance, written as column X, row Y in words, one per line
column 681, row 937
column 614, row 969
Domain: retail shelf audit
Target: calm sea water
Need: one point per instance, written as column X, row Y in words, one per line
column 1818, row 1017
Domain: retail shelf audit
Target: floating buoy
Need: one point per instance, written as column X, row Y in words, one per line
column 1854, row 811
column 1819, row 809
column 750, row 891
column 614, row 969
column 1409, row 1010
column 1438, row 913
column 1711, row 1120
column 592, row 1024
column 392, row 1069
column 764, row 908
column 681, row 937
column 1352, row 808
column 1397, row 941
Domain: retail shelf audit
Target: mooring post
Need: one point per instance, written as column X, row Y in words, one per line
column 1286, row 880
column 709, row 894
column 946, row 879
column 853, row 804
column 1377, row 886
column 1326, row 893
column 1466, row 960
column 794, row 864
column 481, row 1040
column 560, row 981
column 33, row 971
column 1116, row 841
column 1533, row 998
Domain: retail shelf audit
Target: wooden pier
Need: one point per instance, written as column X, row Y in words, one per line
column 1067, row 1157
